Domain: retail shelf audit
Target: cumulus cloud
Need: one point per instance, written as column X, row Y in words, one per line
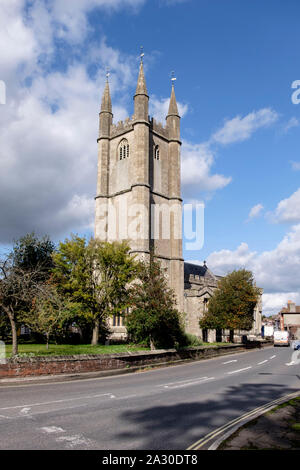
column 255, row 211
column 159, row 108
column 197, row 161
column 276, row 271
column 273, row 303
column 48, row 128
column 288, row 210
column 68, row 19
column 240, row 128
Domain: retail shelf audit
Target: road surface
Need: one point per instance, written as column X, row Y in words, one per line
column 162, row 409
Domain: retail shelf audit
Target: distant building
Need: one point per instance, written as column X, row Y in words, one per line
column 290, row 319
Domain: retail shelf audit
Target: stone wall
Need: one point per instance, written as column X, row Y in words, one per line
column 41, row 366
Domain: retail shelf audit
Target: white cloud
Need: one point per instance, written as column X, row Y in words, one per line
column 68, row 19
column 159, row 108
column 225, row 261
column 198, row 159
column 48, row 129
column 197, row 162
column 276, row 271
column 255, row 211
column 273, row 303
column 241, row 128
column 293, row 122
column 288, row 210
column 18, row 44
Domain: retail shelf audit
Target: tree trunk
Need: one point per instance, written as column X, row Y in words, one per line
column 95, row 337
column 231, row 336
column 14, row 334
column 47, row 341
column 152, row 345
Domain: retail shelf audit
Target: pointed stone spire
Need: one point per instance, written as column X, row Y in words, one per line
column 173, row 108
column 106, row 100
column 106, row 115
column 173, row 118
column 141, row 88
column 141, row 98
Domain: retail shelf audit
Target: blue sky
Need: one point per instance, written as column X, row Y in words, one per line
column 235, row 62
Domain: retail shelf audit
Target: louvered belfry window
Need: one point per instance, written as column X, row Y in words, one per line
column 123, row 149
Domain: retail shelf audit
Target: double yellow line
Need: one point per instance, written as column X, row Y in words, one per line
column 260, row 410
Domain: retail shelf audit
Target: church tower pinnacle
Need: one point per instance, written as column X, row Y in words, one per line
column 173, row 118
column 141, row 98
column 105, row 111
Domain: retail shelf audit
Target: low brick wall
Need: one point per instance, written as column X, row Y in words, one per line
column 55, row 365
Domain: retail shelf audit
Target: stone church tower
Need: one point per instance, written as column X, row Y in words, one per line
column 138, row 186
column 139, row 200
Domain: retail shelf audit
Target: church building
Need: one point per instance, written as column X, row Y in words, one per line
column 139, row 200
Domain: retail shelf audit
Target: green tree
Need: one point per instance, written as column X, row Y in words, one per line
column 94, row 275
column 49, row 312
column 18, row 287
column 153, row 318
column 21, row 272
column 232, row 304
column 30, row 251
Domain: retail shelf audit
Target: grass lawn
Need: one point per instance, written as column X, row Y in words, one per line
column 70, row 349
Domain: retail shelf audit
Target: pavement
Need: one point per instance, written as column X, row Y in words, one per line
column 278, row 429
column 163, row 409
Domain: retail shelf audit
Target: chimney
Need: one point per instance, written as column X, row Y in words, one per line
column 291, row 307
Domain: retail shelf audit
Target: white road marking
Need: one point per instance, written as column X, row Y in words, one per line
column 188, row 384
column 290, row 363
column 74, row 441
column 58, row 401
column 272, row 357
column 25, row 411
column 182, row 381
column 69, row 441
column 239, row 370
column 229, row 362
column 127, row 396
column 52, row 429
column 262, row 362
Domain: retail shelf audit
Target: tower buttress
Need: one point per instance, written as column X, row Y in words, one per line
column 105, row 122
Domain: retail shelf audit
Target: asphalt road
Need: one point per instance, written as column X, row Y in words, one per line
column 163, row 409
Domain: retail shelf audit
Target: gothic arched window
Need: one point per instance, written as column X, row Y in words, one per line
column 123, row 149
column 156, row 152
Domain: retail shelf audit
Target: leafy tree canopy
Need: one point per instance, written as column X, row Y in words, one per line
column 95, row 276
column 152, row 318
column 232, row 304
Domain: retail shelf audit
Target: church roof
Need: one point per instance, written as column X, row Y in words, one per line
column 191, row 269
